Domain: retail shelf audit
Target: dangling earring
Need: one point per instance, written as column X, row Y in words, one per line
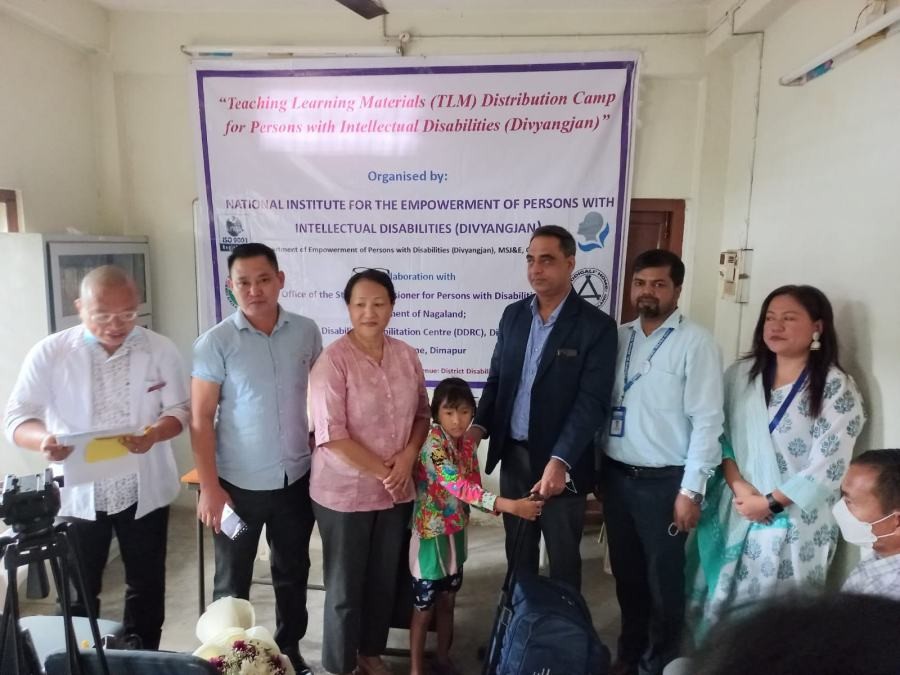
column 815, row 345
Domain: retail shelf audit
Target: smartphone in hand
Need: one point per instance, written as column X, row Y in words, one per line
column 232, row 525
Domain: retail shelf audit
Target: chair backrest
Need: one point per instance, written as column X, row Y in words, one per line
column 126, row 662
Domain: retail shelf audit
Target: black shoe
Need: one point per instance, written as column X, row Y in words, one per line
column 299, row 664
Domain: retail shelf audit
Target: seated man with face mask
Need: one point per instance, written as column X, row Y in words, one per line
column 869, row 516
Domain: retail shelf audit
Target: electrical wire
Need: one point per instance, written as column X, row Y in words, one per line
column 868, row 5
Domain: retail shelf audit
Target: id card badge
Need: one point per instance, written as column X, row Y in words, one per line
column 617, row 421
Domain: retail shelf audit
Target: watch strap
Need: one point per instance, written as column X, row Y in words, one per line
column 774, row 505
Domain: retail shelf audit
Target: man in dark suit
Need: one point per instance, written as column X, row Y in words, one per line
column 547, row 394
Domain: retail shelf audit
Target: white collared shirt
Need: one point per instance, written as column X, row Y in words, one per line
column 55, row 386
column 112, row 409
column 674, row 412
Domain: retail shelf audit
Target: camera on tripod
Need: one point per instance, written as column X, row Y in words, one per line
column 29, row 503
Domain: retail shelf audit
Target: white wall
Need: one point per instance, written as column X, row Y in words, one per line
column 47, row 130
column 825, row 205
column 47, row 153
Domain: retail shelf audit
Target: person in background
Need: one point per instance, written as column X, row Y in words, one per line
column 447, row 482
column 251, row 439
column 869, row 517
column 799, row 634
column 792, row 416
column 370, row 409
column 662, row 447
column 547, row 394
column 108, row 373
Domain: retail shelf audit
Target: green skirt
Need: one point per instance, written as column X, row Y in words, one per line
column 438, row 557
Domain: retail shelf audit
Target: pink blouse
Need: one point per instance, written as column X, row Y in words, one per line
column 352, row 396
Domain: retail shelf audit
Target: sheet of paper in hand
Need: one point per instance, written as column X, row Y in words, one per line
column 97, row 455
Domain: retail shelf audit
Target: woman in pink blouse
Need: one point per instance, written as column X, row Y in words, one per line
column 370, row 408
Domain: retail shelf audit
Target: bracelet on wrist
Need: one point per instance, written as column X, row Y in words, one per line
column 775, row 506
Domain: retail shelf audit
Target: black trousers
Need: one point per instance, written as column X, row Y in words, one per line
column 561, row 522
column 288, row 517
column 362, row 556
column 648, row 565
column 142, row 543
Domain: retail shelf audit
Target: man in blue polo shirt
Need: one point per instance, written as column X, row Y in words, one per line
column 253, row 370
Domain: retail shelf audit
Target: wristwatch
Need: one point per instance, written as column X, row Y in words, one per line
column 775, row 506
column 695, row 497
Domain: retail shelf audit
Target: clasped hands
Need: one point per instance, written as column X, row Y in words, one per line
column 399, row 476
column 750, row 503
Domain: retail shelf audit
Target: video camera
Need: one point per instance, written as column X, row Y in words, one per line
column 29, row 503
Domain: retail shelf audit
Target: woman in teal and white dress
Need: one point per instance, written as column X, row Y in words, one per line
column 792, row 416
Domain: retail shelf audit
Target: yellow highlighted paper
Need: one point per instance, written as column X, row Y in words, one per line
column 97, row 455
column 104, row 449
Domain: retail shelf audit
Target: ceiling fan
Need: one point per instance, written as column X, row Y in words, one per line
column 368, row 9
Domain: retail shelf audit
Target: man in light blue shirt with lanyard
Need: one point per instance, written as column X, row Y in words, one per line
column 663, row 445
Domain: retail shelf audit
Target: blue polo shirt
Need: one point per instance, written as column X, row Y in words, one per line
column 262, row 431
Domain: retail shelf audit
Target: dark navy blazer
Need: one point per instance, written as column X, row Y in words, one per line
column 570, row 398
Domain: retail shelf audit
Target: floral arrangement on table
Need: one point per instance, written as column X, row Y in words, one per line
column 234, row 645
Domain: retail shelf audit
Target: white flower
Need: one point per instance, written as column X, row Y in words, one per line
column 234, row 644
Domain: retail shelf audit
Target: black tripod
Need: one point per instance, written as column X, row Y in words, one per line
column 53, row 544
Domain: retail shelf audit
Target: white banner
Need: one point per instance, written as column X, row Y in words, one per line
column 434, row 169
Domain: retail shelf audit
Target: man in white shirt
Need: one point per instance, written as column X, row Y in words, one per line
column 869, row 517
column 110, row 373
column 663, row 444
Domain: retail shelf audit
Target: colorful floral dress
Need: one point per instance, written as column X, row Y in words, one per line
column 448, row 480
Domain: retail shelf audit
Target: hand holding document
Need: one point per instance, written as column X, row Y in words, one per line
column 97, row 455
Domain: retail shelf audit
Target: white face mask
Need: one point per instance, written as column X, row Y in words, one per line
column 854, row 530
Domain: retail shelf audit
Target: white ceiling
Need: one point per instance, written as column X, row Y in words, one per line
column 397, row 5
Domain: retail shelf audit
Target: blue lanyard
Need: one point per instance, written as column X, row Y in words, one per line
column 630, row 382
column 798, row 385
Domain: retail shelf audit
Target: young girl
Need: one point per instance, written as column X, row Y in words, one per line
column 447, row 482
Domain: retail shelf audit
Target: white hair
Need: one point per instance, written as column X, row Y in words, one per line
column 106, row 276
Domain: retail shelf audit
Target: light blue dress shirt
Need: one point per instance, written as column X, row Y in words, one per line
column 537, row 338
column 262, row 431
column 674, row 412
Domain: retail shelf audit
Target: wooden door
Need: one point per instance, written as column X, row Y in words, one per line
column 653, row 223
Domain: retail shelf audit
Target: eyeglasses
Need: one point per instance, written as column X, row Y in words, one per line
column 357, row 270
column 123, row 317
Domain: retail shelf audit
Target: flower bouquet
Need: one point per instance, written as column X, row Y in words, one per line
column 234, row 645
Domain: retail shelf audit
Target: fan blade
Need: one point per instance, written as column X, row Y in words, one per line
column 368, row 9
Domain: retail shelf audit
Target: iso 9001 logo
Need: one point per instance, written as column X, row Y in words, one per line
column 592, row 284
column 235, row 232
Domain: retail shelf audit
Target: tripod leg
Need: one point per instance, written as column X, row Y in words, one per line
column 60, row 577
column 12, row 655
column 70, row 538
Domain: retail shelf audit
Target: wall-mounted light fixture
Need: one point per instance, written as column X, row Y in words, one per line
column 861, row 39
